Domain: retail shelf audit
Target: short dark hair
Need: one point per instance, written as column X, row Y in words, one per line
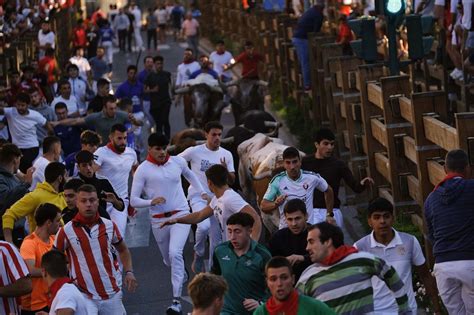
column 324, row 133
column 87, row 188
column 278, row 262
column 218, row 175
column 220, row 42
column 290, row 153
column 329, row 231
column 101, row 82
column 213, row 125
column 157, row 140
column 456, row 161
column 295, row 205
column 90, row 137
column 147, row 57
column 60, row 105
column 74, row 184
column 248, row 43
column 23, row 97
column 72, row 66
column 132, row 67
column 8, row 152
column 241, row 218
column 109, row 99
column 379, row 204
column 189, row 49
column 45, row 212
column 55, row 263
column 49, row 142
column 84, row 156
column 63, row 82
column 158, row 58
column 124, row 103
column 53, row 170
column 119, row 128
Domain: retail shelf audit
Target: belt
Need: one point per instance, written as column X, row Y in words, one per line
column 165, row 214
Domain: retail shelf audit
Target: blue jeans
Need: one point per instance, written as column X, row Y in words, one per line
column 301, row 46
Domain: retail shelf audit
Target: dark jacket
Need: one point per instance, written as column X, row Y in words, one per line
column 102, row 185
column 11, row 189
column 449, row 212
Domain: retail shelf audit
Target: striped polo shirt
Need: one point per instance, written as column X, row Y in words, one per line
column 346, row 286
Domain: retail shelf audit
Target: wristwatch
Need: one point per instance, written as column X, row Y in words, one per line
column 330, row 214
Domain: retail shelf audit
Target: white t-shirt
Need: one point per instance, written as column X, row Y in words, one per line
column 225, row 206
column 201, row 158
column 83, row 65
column 23, row 127
column 116, row 167
column 38, row 175
column 44, row 39
column 71, row 103
column 69, row 296
column 185, row 71
column 219, row 61
column 161, row 16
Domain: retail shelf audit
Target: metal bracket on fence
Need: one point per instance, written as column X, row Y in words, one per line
column 362, row 170
column 403, row 184
column 394, row 102
column 399, row 144
column 470, row 149
column 359, row 144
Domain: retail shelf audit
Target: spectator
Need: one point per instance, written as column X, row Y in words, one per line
column 190, row 30
column 70, row 194
column 99, row 67
column 96, row 277
column 400, row 250
column 48, row 191
column 65, row 96
column 79, row 88
column 15, row 277
column 96, row 105
column 177, row 15
column 290, row 242
column 135, row 134
column 121, row 25
column 65, row 296
column 90, row 141
column 295, row 182
column 285, row 299
column 131, row 27
column 250, row 60
column 34, row 246
column 310, row 21
column 162, row 17
column 219, row 59
column 341, row 277
column 188, row 66
column 148, row 68
column 207, row 293
column 79, row 35
column 38, row 103
column 22, row 124
column 450, row 223
column 82, row 64
column 333, row 171
column 93, row 36
column 113, row 11
column 107, row 36
column 15, row 86
column 131, row 88
column 69, row 136
column 46, row 38
column 30, row 81
column 51, row 153
column 241, row 261
column 151, row 29
column 137, row 26
column 344, row 35
column 48, row 67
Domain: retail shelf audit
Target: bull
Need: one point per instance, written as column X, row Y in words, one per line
column 206, row 100
column 249, row 95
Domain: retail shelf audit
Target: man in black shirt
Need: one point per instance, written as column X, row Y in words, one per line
column 157, row 85
column 98, row 102
column 290, row 242
column 332, row 170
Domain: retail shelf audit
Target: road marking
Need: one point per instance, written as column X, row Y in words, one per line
column 138, row 229
column 183, row 45
column 164, row 47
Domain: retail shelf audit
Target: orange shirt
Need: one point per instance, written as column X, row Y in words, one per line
column 33, row 248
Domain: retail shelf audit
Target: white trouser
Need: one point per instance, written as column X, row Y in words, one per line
column 113, row 305
column 319, row 215
column 109, row 52
column 138, row 37
column 455, row 280
column 171, row 240
column 146, row 110
column 119, row 217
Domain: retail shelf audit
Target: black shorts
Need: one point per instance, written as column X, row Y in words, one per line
column 162, row 26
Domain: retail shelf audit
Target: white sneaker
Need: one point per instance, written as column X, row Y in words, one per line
column 174, row 308
column 457, row 74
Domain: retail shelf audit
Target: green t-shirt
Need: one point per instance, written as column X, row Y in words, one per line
column 306, row 306
column 102, row 124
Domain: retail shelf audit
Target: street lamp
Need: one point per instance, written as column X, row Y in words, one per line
column 394, row 10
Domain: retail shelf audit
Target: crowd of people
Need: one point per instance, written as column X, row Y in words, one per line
column 78, row 158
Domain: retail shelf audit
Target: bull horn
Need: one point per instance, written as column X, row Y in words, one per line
column 231, row 83
column 263, row 175
column 216, row 89
column 199, row 142
column 227, row 140
column 171, row 148
column 262, row 83
column 274, row 124
column 182, row 90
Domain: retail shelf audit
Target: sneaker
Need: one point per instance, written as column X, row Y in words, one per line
column 198, row 264
column 456, row 74
column 174, row 309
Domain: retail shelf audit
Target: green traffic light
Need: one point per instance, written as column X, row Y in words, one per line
column 394, row 6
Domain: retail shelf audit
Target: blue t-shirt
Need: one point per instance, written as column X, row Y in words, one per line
column 106, row 34
column 129, row 90
column 99, row 68
column 70, row 138
column 310, row 21
column 209, row 71
column 141, row 78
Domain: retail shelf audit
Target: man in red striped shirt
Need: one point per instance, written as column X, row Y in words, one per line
column 87, row 241
column 14, row 278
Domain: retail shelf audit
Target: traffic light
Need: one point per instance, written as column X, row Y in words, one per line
column 366, row 46
column 418, row 35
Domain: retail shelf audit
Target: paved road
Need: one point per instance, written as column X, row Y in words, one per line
column 153, row 295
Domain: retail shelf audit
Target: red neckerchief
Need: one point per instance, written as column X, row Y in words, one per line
column 150, row 159
column 220, row 53
column 288, row 307
column 187, row 62
column 111, row 146
column 448, row 177
column 78, row 218
column 338, row 254
column 56, row 286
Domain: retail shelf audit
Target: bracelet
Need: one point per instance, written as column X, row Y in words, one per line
column 330, row 214
column 129, row 271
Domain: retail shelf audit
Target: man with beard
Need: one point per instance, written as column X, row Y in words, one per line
column 285, row 298
column 188, row 66
column 22, row 124
column 49, row 191
column 115, row 162
column 39, row 104
column 51, row 153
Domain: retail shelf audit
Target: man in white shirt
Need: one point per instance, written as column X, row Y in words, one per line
column 65, row 96
column 185, row 69
column 135, row 10
column 115, row 161
column 82, row 63
column 201, row 158
column 66, row 297
column 401, row 251
column 51, row 153
column 219, row 58
column 159, row 178
column 46, row 38
column 78, row 88
column 22, row 124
